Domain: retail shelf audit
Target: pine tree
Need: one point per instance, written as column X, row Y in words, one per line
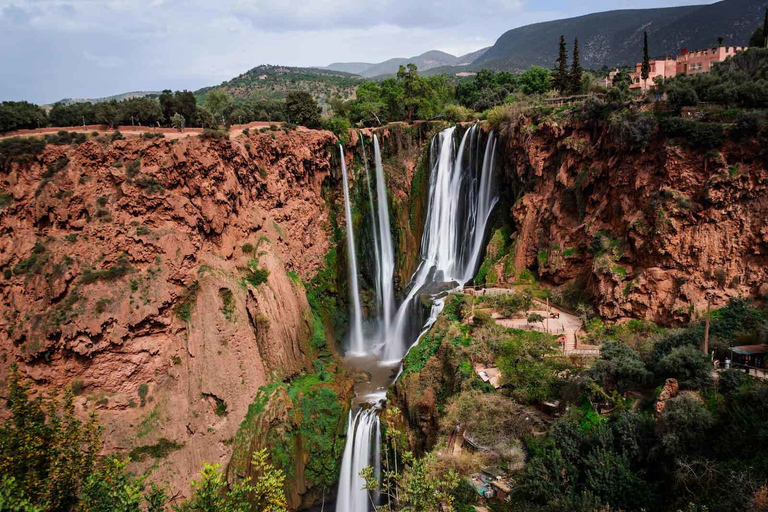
column 765, row 29
column 645, row 69
column 575, row 76
column 560, row 73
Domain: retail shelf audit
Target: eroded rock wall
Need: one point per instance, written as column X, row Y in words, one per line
column 649, row 232
column 125, row 267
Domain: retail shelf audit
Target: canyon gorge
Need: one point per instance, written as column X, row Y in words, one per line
column 209, row 297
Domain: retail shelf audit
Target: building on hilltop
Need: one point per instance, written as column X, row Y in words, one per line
column 700, row 61
column 664, row 67
column 687, row 63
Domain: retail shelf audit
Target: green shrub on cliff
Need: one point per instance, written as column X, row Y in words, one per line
column 319, row 425
column 17, row 149
column 531, row 363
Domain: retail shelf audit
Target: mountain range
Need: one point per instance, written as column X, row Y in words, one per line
column 425, row 61
column 616, row 37
column 609, row 38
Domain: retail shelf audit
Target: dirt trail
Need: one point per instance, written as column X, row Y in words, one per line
column 136, row 131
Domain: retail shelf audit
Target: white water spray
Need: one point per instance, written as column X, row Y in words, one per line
column 361, row 431
column 374, row 226
column 356, row 327
column 387, row 258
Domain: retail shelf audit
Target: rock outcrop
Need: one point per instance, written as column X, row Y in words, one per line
column 161, row 279
column 649, row 232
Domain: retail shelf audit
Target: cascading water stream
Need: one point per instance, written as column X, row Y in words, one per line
column 362, row 431
column 374, row 227
column 458, row 208
column 459, row 205
column 387, row 258
column 356, row 322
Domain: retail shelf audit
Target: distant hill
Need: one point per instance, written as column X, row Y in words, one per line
column 616, row 37
column 469, row 58
column 425, row 61
column 116, row 97
column 356, row 68
column 268, row 82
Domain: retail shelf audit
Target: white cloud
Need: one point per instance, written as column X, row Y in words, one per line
column 89, row 48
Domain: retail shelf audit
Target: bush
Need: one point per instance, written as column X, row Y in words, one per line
column 688, row 364
column 214, row 134
column 143, row 390
column 694, row 133
column 594, row 110
column 19, row 150
column 160, row 450
column 183, row 307
column 619, row 367
column 121, row 268
column 747, row 125
column 257, row 276
column 457, row 114
column 64, row 137
column 635, row 131
column 339, row 126
column 302, row 109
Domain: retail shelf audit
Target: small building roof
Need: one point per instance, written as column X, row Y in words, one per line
column 749, row 350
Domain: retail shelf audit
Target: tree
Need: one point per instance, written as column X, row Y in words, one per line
column 186, row 105
column 216, row 100
column 765, row 29
column 205, row 118
column 111, row 489
column 534, row 318
column 15, row 115
column 531, row 363
column 645, row 69
column 177, row 121
column 47, row 451
column 108, row 113
column 414, row 89
column 144, row 111
column 76, row 114
column 683, row 425
column 302, row 109
column 268, row 494
column 688, row 364
column 535, row 80
column 621, row 80
column 560, row 73
column 619, row 367
column 575, row 76
column 167, row 105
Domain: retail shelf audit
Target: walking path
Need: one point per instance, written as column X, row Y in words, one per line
column 137, row 131
column 566, row 324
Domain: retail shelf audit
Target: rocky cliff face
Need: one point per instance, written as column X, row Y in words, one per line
column 161, row 279
column 650, row 233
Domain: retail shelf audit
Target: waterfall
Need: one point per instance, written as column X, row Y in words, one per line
column 374, row 226
column 356, row 327
column 362, row 430
column 460, row 201
column 458, row 207
column 387, row 258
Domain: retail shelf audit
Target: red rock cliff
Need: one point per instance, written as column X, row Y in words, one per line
column 124, row 275
column 650, row 232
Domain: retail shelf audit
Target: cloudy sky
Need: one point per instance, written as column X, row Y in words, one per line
column 52, row 49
